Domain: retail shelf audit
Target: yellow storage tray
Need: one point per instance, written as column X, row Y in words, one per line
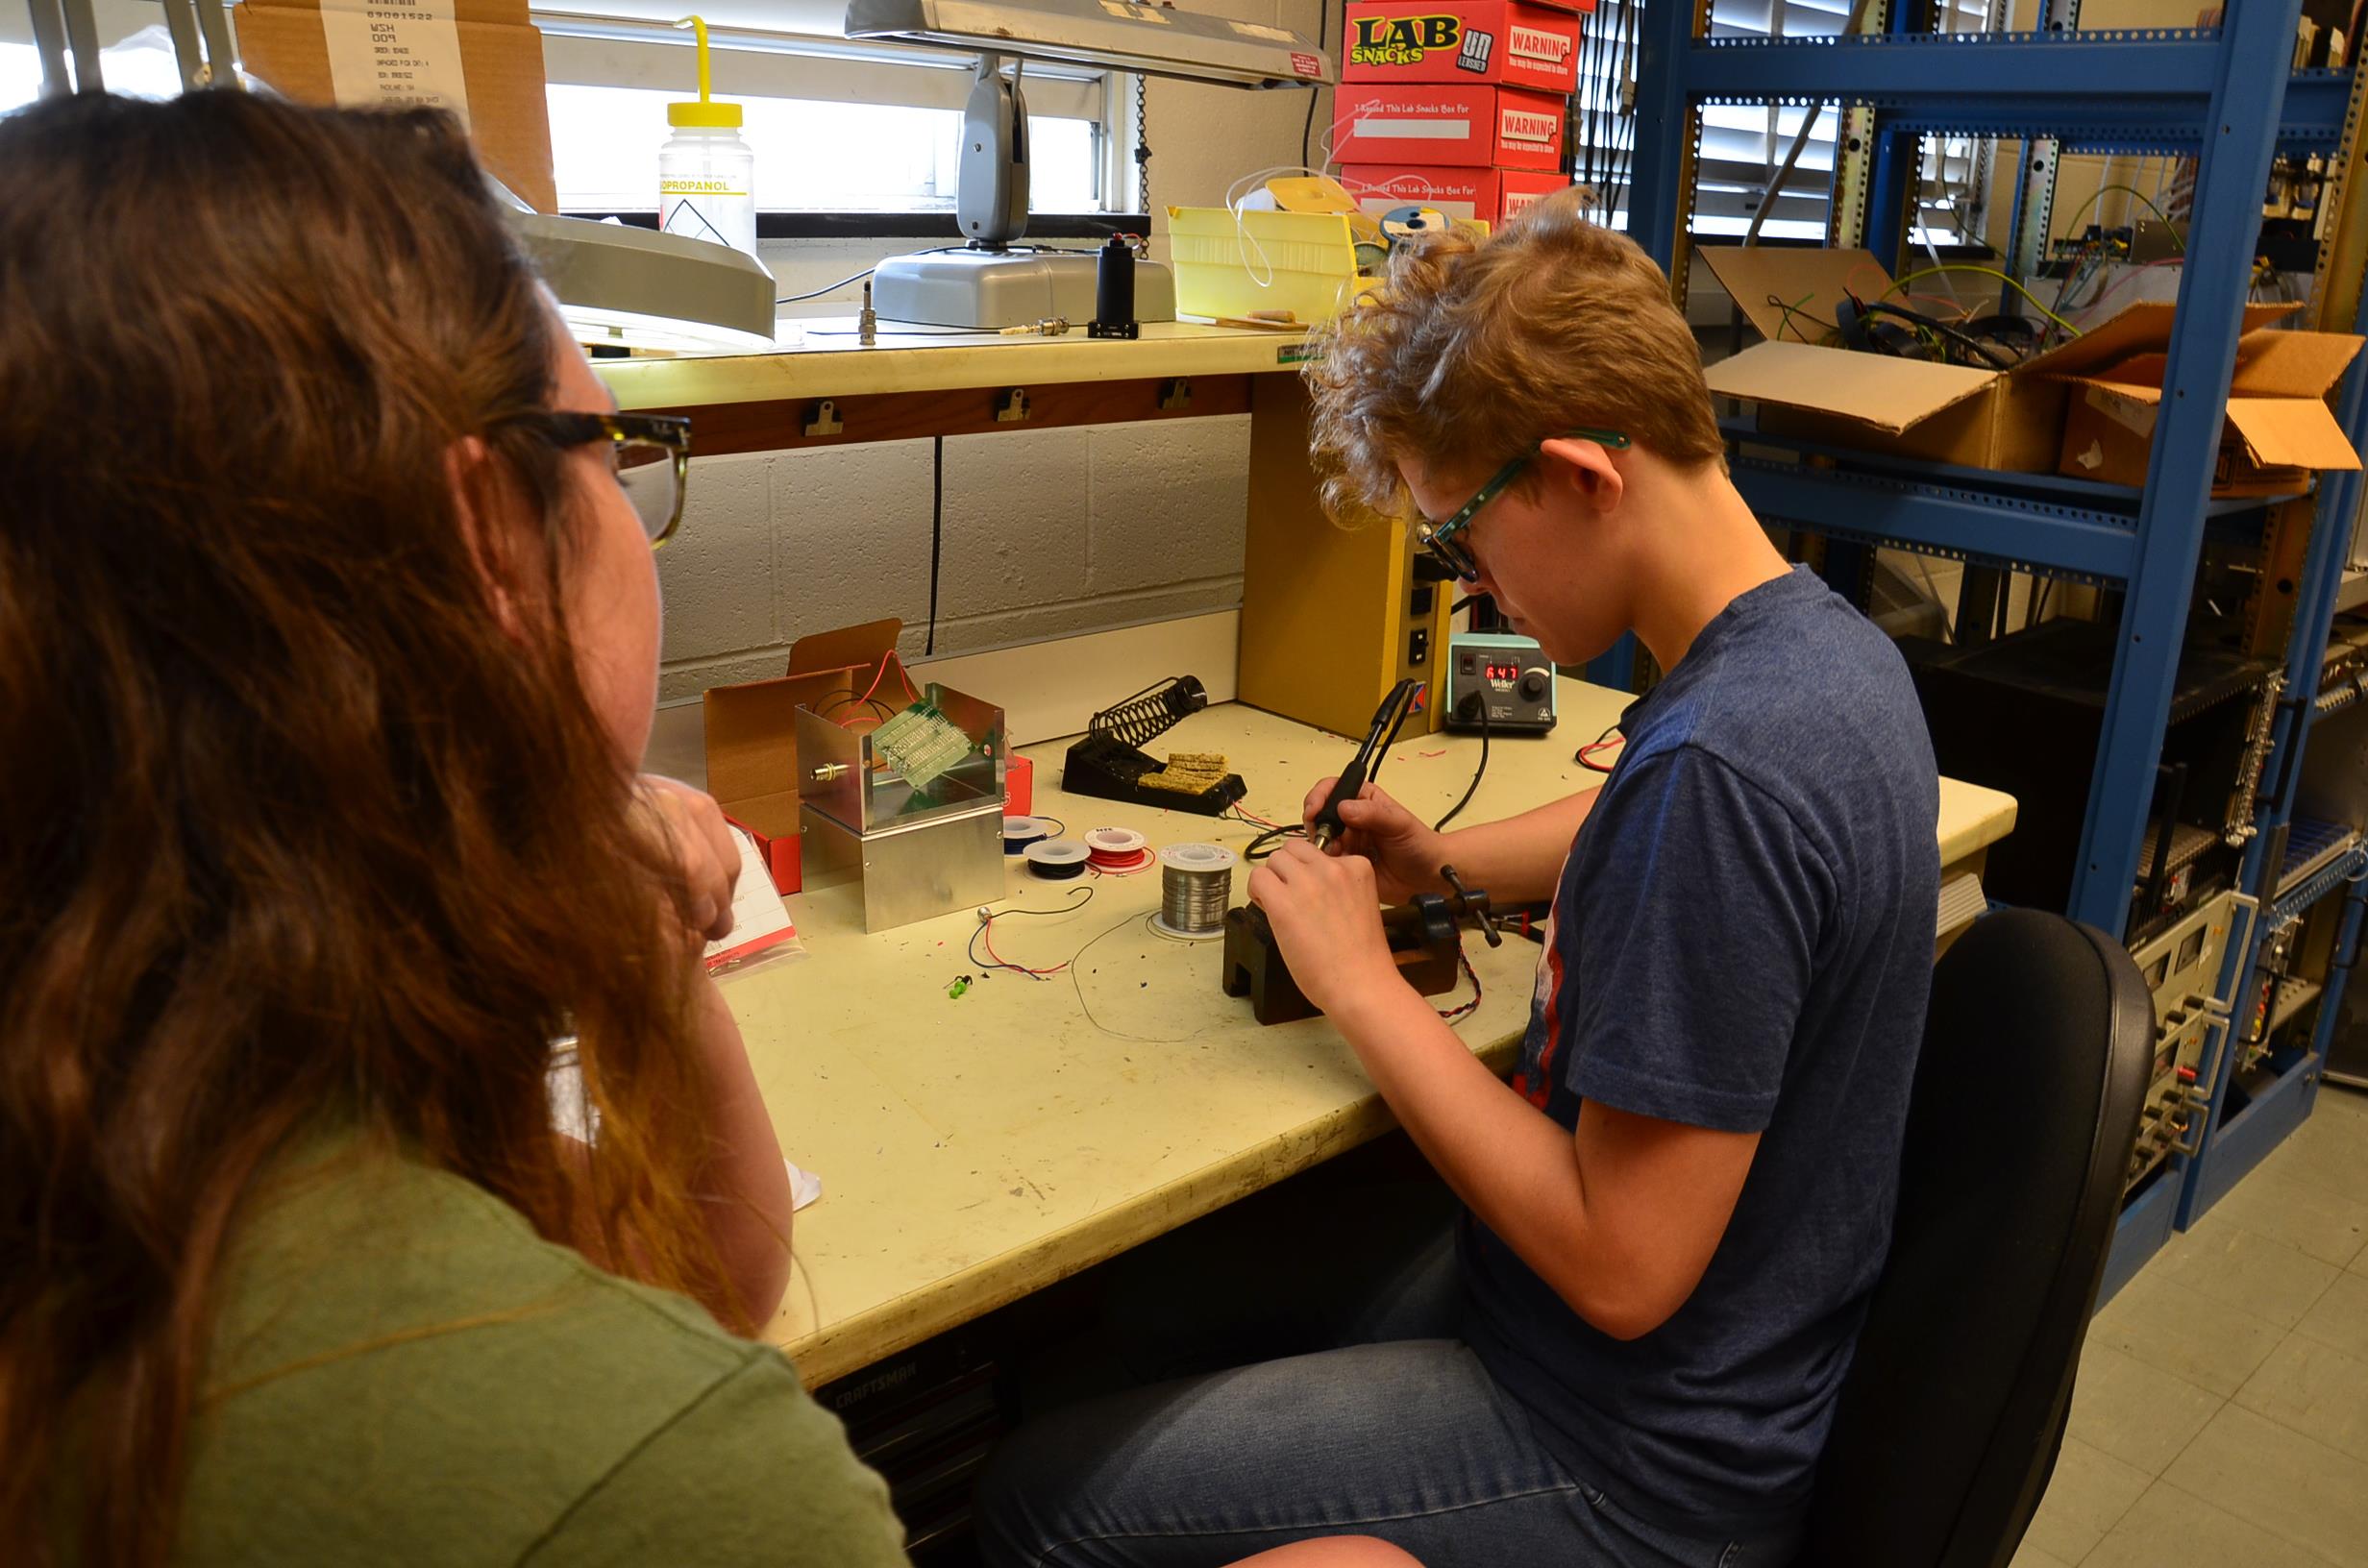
column 1229, row 264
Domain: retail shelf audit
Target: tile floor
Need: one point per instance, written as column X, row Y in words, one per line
column 2221, row 1415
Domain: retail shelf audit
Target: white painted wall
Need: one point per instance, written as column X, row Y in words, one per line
column 1046, row 533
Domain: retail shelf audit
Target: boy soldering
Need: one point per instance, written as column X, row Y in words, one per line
column 1674, row 1214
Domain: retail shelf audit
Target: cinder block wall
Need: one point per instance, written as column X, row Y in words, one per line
column 1046, row 533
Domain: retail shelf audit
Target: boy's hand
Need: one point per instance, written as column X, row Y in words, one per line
column 694, row 829
column 1327, row 921
column 1405, row 854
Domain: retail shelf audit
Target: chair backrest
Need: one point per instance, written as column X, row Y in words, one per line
column 2036, row 1058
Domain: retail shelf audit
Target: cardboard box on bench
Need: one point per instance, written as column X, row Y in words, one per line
column 1490, row 196
column 1491, row 42
column 1433, row 124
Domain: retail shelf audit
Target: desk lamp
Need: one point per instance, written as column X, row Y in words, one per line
column 988, row 283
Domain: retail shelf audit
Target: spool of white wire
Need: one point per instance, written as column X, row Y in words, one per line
column 1195, row 888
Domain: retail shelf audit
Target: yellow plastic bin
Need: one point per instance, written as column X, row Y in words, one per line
column 1231, row 264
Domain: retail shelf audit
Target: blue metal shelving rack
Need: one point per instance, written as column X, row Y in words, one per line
column 2227, row 96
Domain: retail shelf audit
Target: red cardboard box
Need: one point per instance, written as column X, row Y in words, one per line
column 1493, row 196
column 1498, row 42
column 1428, row 126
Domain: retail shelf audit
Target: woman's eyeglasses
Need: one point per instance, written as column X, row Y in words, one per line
column 652, row 457
column 1439, row 538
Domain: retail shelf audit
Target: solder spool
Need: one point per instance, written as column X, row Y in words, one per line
column 1117, row 849
column 1056, row 860
column 1195, row 888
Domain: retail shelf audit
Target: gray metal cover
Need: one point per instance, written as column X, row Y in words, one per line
column 1007, row 288
column 1112, row 33
column 912, row 874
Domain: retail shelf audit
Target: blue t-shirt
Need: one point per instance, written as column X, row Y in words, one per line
column 1742, row 939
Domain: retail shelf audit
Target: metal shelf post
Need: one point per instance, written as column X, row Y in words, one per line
column 2240, row 137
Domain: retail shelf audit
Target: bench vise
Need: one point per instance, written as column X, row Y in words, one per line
column 1426, row 943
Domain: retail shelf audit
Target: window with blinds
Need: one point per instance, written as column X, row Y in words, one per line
column 1743, row 146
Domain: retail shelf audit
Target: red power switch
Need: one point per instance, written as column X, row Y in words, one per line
column 2186, row 1075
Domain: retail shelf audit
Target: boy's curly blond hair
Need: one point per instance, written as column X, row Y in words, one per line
column 1472, row 352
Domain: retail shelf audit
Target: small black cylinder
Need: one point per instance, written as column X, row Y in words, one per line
column 1114, row 292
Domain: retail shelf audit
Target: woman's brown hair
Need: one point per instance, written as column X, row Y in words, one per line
column 292, row 832
column 1473, row 350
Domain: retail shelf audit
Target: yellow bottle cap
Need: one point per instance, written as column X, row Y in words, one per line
column 705, row 114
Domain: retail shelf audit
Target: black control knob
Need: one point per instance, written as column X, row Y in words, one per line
column 1533, row 685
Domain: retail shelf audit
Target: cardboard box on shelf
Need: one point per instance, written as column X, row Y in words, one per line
column 1810, row 388
column 2084, row 407
column 1498, row 42
column 1490, row 196
column 482, row 60
column 1428, row 125
column 2277, row 430
column 753, row 733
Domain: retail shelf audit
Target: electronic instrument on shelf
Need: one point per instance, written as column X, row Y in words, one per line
column 2192, row 1025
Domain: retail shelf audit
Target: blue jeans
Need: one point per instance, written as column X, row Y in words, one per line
column 1407, row 1439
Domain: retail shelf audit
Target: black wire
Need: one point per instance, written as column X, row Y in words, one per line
column 1264, row 845
column 937, row 535
column 793, row 299
column 1065, row 909
column 1472, row 788
column 1580, row 757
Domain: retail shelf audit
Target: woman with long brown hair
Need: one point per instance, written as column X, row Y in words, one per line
column 328, row 643
column 328, row 640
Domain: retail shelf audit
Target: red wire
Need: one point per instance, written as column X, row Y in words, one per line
column 884, row 659
column 987, row 940
column 1587, row 753
column 1452, row 1014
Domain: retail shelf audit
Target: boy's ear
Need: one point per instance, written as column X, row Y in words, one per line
column 1588, row 468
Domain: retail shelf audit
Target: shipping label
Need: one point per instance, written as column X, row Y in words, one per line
column 386, row 52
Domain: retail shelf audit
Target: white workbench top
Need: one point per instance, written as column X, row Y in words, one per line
column 976, row 1149
column 828, row 361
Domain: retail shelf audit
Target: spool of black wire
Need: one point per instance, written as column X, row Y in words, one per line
column 1114, row 292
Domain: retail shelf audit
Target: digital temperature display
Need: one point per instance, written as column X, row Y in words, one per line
column 1504, row 671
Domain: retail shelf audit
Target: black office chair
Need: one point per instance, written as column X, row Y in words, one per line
column 2036, row 1058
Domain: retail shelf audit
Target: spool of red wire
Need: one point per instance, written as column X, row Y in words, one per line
column 1117, row 851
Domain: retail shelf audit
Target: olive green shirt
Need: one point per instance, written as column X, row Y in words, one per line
column 403, row 1372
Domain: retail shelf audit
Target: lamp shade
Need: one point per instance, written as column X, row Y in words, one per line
column 640, row 289
column 1113, row 34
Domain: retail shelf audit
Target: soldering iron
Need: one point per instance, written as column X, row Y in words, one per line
column 1403, row 699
